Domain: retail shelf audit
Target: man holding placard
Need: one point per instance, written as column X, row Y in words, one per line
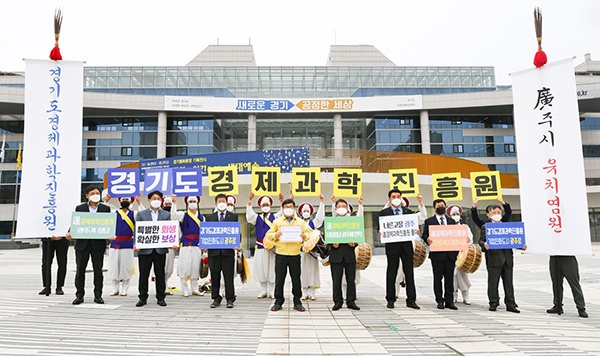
column 399, row 250
column 86, row 248
column 287, row 234
column 149, row 257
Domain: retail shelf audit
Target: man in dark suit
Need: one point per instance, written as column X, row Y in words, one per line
column 84, row 248
column 221, row 260
column 152, row 256
column 396, row 251
column 442, row 262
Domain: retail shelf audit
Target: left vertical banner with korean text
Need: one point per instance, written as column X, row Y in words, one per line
column 51, row 178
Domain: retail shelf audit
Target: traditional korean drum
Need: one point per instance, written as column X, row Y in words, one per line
column 363, row 255
column 419, row 253
column 469, row 260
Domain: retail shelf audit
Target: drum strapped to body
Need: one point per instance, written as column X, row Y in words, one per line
column 419, row 253
column 364, row 254
column 469, row 260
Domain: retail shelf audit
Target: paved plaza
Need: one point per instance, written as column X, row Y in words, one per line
column 31, row 324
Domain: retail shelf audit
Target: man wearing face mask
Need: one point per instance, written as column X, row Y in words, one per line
column 499, row 263
column 120, row 254
column 188, row 267
column 86, row 248
column 503, row 218
column 396, row 252
column 264, row 260
column 222, row 260
column 461, row 279
column 442, row 262
column 343, row 261
column 308, row 263
column 152, row 257
column 287, row 254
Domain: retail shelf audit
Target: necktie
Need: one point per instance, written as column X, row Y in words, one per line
column 222, row 218
column 442, row 221
column 397, row 211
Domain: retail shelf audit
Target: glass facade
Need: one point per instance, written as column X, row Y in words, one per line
column 284, row 82
column 394, row 134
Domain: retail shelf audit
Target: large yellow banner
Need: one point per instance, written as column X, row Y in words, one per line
column 306, row 181
column 486, row 185
column 347, row 182
column 405, row 180
column 222, row 180
column 266, row 180
column 447, row 186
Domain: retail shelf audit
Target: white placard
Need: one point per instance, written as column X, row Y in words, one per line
column 291, row 234
column 51, row 178
column 156, row 234
column 550, row 159
column 398, row 228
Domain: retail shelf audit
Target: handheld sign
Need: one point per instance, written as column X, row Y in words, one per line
column 505, row 235
column 219, row 234
column 92, row 225
column 156, row 234
column 344, row 229
column 398, row 228
column 448, row 237
column 291, row 234
column 123, row 182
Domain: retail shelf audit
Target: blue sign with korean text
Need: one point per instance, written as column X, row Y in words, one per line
column 505, row 235
column 219, row 234
column 244, row 161
column 264, row 105
column 158, row 179
column 123, row 182
column 187, row 182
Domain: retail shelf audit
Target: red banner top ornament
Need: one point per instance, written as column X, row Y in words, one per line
column 55, row 52
column 540, row 57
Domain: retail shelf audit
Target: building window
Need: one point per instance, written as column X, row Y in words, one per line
column 127, row 122
column 456, row 122
column 181, row 122
column 458, row 148
column 509, row 148
column 126, row 151
column 405, row 148
column 181, row 151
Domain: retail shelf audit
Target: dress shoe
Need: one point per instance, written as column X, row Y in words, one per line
column 336, row 306
column 162, row 303
column 312, row 297
column 513, row 310
column 261, row 295
column 493, row 307
column 44, row 291
column 555, row 310
column 440, row 305
column 299, row 307
column 140, row 303
column 466, row 302
column 215, row 304
column 582, row 313
column 451, row 306
column 59, row 291
column 276, row 307
column 114, row 293
column 229, row 304
column 98, row 300
column 353, row 306
column 390, row 305
column 413, row 305
column 78, row 301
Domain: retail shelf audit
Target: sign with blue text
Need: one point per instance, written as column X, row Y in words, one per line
column 123, row 182
column 505, row 235
column 219, row 234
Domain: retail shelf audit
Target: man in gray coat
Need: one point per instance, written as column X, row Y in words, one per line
column 155, row 256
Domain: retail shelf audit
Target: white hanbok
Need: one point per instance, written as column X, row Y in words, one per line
column 120, row 268
column 461, row 279
column 264, row 260
column 188, row 266
column 309, row 265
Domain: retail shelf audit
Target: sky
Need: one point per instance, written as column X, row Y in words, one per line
column 298, row 33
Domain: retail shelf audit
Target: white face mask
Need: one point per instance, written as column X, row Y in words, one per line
column 496, row 217
column 230, row 208
column 265, row 209
column 396, row 202
column 168, row 200
column 306, row 214
column 94, row 198
column 193, row 206
column 341, row 211
column 456, row 218
column 155, row 204
column 222, row 206
column 289, row 212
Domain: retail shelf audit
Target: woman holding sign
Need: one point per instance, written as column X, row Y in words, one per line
column 120, row 265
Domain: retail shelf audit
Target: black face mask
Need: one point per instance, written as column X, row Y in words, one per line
column 440, row 210
column 125, row 204
column 167, row 208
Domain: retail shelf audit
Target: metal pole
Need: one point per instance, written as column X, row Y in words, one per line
column 17, row 183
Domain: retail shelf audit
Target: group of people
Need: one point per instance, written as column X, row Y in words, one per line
column 277, row 254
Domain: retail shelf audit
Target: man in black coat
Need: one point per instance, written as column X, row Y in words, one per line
column 221, row 260
column 86, row 248
column 442, row 262
column 396, row 251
